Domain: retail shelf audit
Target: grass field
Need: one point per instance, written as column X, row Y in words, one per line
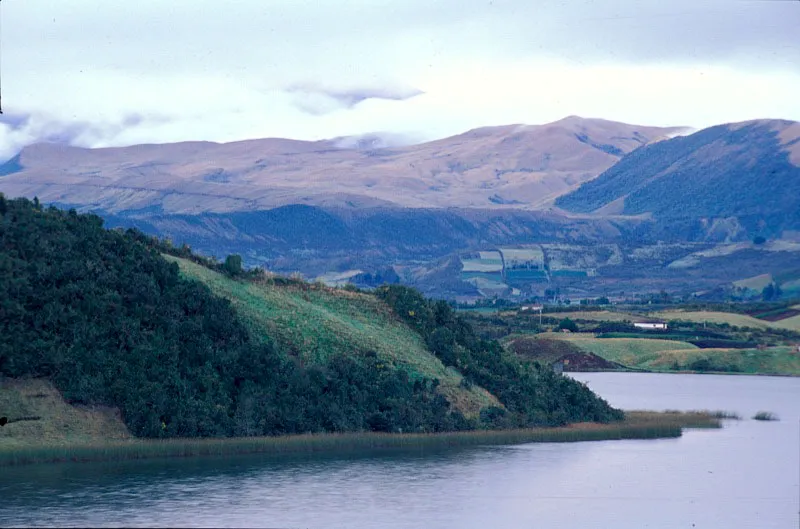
column 770, row 361
column 316, row 322
column 665, row 355
column 739, row 320
column 58, row 423
column 631, row 352
column 594, row 315
column 756, row 283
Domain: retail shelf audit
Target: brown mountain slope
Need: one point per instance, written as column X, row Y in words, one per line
column 510, row 166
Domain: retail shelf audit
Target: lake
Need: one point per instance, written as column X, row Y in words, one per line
column 746, row 475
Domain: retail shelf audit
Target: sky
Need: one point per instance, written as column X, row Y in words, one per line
column 96, row 74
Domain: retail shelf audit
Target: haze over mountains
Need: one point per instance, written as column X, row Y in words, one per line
column 514, row 166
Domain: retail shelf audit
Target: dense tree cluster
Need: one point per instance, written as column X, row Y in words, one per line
column 110, row 321
column 532, row 395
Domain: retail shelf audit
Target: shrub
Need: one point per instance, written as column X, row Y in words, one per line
column 765, row 416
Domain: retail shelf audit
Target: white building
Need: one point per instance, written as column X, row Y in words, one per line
column 651, row 325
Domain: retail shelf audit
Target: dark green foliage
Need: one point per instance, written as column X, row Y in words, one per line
column 531, row 394
column 704, row 365
column 567, row 325
column 233, row 265
column 771, row 292
column 111, row 322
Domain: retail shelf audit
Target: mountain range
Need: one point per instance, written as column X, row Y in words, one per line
column 605, row 206
column 514, row 166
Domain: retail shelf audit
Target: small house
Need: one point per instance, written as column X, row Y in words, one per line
column 651, row 325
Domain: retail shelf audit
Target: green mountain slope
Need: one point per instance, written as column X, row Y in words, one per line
column 317, row 323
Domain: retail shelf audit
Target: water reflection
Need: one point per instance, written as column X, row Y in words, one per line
column 743, row 476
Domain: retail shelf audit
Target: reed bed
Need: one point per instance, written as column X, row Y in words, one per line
column 765, row 416
column 637, row 425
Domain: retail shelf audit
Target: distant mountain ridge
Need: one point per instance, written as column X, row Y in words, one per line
column 513, row 166
column 750, row 171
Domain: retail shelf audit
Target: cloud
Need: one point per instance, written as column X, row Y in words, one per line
column 318, row 100
column 103, row 73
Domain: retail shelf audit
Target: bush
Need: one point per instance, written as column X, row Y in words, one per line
column 568, row 324
column 765, row 416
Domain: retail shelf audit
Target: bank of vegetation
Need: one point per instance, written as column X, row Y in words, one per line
column 110, row 322
column 636, row 425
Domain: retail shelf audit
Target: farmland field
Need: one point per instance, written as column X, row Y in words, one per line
column 668, row 355
column 595, row 315
column 481, row 265
column 770, row 361
column 740, row 320
column 514, row 256
column 631, row 352
column 754, row 283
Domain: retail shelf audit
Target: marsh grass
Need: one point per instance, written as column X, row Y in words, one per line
column 721, row 414
column 637, row 425
column 765, row 416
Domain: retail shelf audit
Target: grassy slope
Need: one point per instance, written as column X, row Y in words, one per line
column 740, row 320
column 318, row 322
column 661, row 355
column 792, row 323
column 627, row 351
column 770, row 361
column 595, row 315
column 60, row 423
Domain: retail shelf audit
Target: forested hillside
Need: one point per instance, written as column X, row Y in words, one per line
column 104, row 316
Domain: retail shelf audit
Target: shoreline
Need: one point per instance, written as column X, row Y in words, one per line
column 671, row 372
column 637, row 425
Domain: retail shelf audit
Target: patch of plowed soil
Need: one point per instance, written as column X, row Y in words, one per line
column 788, row 313
column 550, row 351
column 587, row 362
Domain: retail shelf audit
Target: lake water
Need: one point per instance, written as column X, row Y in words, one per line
column 744, row 476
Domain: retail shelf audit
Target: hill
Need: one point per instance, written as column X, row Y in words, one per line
column 748, row 172
column 110, row 322
column 317, row 323
column 514, row 166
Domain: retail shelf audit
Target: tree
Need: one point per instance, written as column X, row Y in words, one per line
column 233, row 265
column 768, row 292
column 758, row 240
column 568, row 324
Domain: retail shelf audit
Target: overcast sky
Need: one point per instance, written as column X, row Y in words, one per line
column 98, row 73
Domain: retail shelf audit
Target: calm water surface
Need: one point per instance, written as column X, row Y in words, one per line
column 747, row 475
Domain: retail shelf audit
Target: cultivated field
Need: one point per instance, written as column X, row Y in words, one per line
column 756, row 283
column 770, row 361
column 595, row 315
column 739, row 320
column 670, row 355
column 631, row 352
